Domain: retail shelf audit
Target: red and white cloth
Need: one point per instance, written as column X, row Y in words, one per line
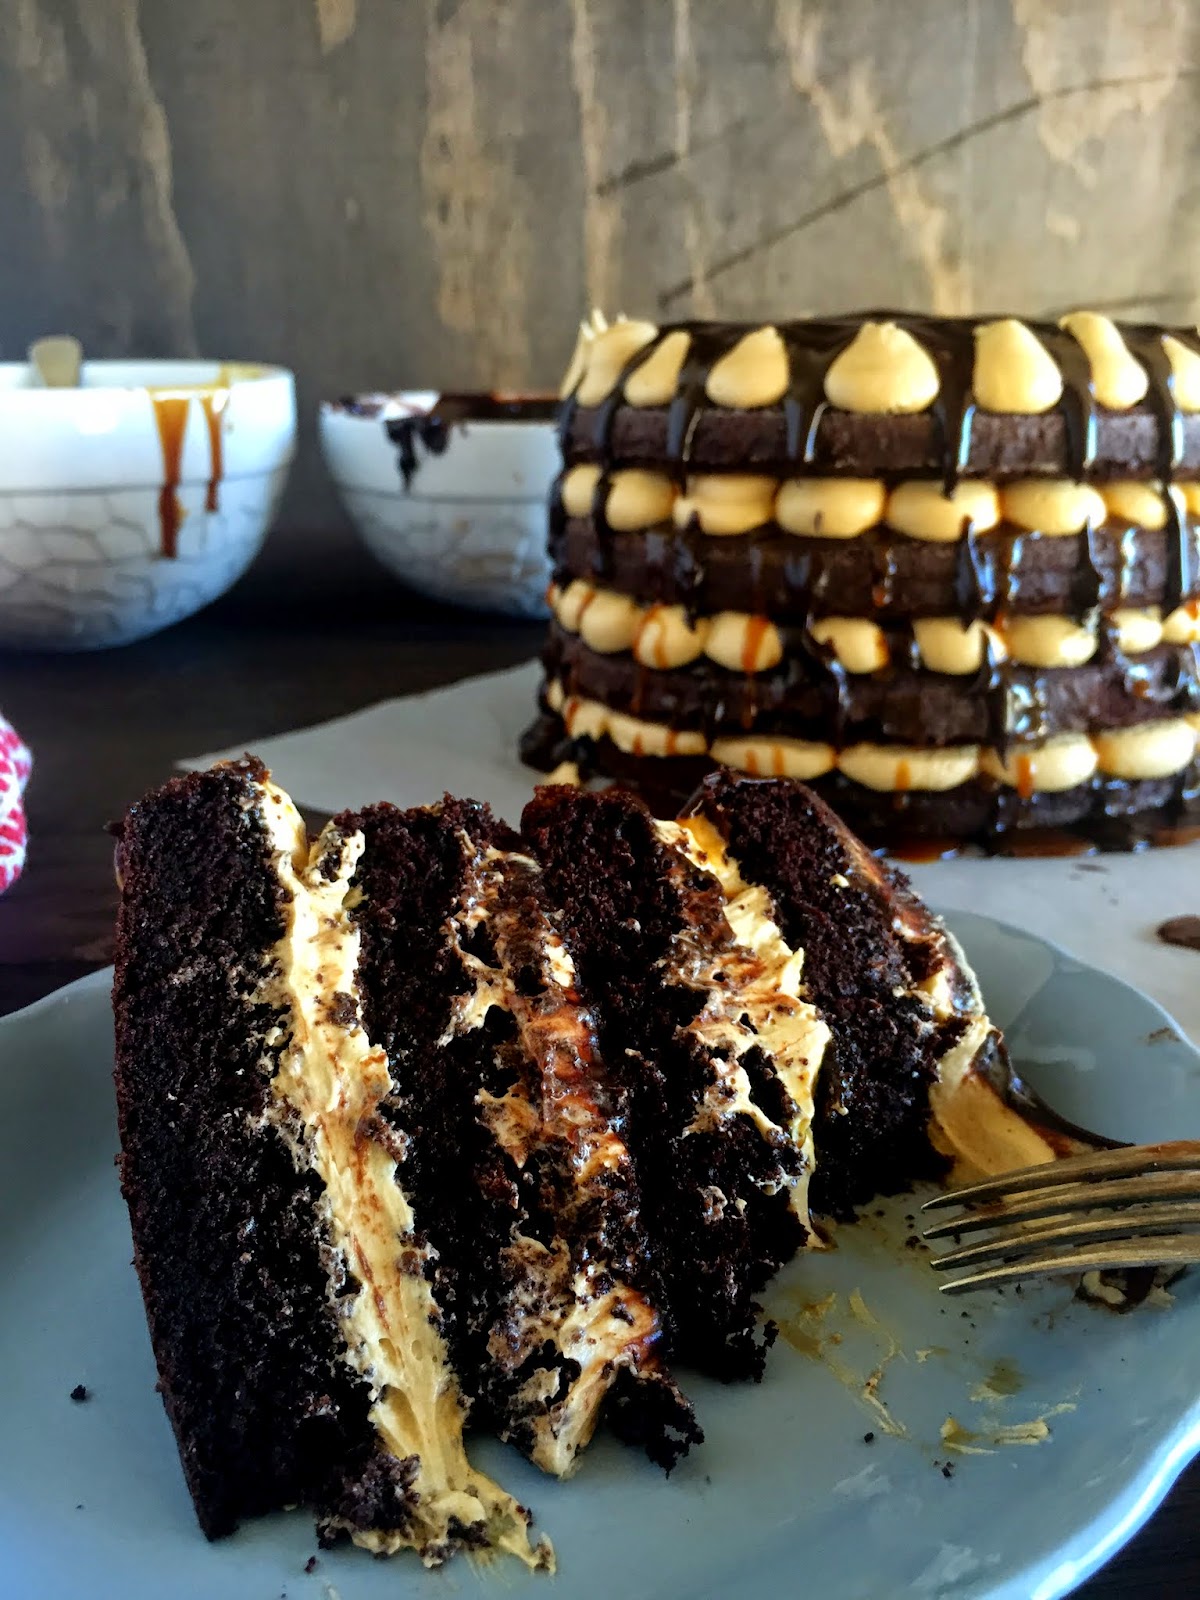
column 15, row 762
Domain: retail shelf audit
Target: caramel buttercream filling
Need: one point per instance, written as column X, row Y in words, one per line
column 326, row 1091
column 1157, row 749
column 668, row 638
column 725, row 504
column 752, row 982
column 596, row 1322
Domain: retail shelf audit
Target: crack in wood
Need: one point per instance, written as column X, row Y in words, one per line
column 847, row 197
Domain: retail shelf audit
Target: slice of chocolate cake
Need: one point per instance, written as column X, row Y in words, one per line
column 290, row 1288
column 429, row 1119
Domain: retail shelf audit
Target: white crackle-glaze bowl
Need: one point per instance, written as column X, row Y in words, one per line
column 130, row 502
column 470, row 525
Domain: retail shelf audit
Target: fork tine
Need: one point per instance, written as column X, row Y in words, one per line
column 1156, row 1252
column 1173, row 1155
column 1095, row 1230
column 1162, row 1187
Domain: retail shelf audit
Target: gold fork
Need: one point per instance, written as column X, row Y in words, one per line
column 1137, row 1206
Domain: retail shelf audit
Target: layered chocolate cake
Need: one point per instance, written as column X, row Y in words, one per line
column 428, row 1120
column 946, row 571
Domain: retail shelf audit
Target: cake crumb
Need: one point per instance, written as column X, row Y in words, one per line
column 868, row 1438
column 80, row 1393
column 947, row 1469
column 1164, row 1035
column 311, row 1564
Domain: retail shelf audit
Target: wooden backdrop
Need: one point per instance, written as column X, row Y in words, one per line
column 431, row 192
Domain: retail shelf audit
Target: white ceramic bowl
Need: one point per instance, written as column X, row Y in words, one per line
column 132, row 501
column 470, row 527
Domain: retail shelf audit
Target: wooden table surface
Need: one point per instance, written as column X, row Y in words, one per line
column 297, row 642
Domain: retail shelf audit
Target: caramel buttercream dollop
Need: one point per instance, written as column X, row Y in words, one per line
column 572, row 602
column 751, row 375
column 776, row 757
column 743, row 643
column 947, row 644
column 924, row 511
column 638, row 499
column 577, row 490
column 1141, row 504
column 610, row 622
column 609, row 353
column 1118, row 380
column 1183, row 624
column 726, row 502
column 1147, row 750
column 893, row 768
column 1052, row 505
column 1014, row 372
column 1063, row 762
column 576, row 367
column 667, row 638
column 858, row 644
column 1137, row 630
column 637, row 738
column 830, row 508
column 1185, row 373
column 653, row 382
column 1047, row 641
column 882, row 370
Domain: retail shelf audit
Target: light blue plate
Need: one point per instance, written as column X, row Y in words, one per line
column 785, row 1498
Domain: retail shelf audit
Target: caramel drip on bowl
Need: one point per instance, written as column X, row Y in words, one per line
column 170, row 416
column 213, row 405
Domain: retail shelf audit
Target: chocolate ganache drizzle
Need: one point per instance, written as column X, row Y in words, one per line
column 982, row 577
column 432, row 428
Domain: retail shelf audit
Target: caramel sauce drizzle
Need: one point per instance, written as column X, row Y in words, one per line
column 170, row 415
column 756, row 632
column 171, row 408
column 213, row 403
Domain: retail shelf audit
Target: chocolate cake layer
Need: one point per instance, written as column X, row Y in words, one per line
column 409, row 880
column 805, row 698
column 715, row 1191
column 843, row 910
column 878, row 574
column 1127, row 444
column 515, row 1159
column 265, row 1412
